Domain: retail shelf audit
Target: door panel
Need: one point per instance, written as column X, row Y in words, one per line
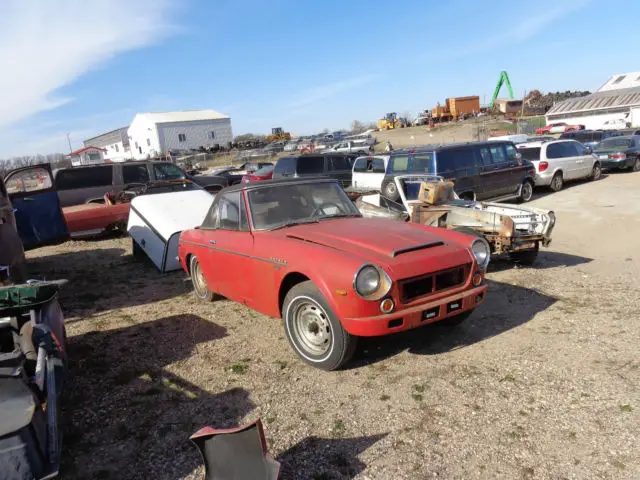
column 39, row 218
column 518, row 168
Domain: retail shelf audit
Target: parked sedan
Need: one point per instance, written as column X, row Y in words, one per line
column 558, row 127
column 265, row 173
column 300, row 250
column 620, row 152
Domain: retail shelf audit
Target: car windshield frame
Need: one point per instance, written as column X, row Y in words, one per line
column 297, row 203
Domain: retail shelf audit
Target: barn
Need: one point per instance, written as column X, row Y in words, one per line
column 616, row 104
column 156, row 134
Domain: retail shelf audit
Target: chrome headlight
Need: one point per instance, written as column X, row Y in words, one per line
column 481, row 250
column 371, row 282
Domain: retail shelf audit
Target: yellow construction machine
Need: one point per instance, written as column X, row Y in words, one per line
column 389, row 121
column 278, row 135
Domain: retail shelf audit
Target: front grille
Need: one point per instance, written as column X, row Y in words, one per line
column 416, row 287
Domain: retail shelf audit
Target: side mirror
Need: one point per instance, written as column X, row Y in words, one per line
column 589, row 150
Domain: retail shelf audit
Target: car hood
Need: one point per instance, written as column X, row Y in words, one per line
column 396, row 245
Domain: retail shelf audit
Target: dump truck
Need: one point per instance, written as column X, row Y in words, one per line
column 456, row 107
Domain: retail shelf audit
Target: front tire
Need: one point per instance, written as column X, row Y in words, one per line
column 526, row 192
column 390, row 191
column 200, row 287
column 556, row 182
column 313, row 330
column 525, row 257
column 596, row 172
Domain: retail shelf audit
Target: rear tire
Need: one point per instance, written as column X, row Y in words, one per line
column 596, row 172
column 556, row 182
column 200, row 288
column 313, row 330
column 636, row 165
column 456, row 319
column 525, row 257
column 526, row 191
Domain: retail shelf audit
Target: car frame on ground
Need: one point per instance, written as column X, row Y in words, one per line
column 559, row 161
column 334, row 165
column 78, row 185
column 621, row 153
column 368, row 277
column 480, row 170
column 518, row 231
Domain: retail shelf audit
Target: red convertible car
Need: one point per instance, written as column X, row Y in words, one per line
column 301, row 251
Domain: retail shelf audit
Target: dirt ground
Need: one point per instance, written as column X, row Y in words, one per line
column 543, row 381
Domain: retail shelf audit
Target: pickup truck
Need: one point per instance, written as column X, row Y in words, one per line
column 359, row 147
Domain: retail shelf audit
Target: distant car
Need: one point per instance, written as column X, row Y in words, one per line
column 291, row 146
column 558, row 127
column 560, row 161
column 333, row 165
column 620, row 152
column 355, row 146
column 331, row 275
column 274, row 147
column 589, row 138
column 265, row 173
column 615, row 124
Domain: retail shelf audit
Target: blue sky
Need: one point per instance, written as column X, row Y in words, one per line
column 83, row 68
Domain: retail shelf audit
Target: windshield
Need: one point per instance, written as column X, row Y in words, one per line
column 412, row 163
column 531, row 153
column 615, row 142
column 264, row 171
column 277, row 206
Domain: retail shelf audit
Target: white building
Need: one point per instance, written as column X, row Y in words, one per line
column 89, row 155
column 156, row 134
column 115, row 144
column 615, row 102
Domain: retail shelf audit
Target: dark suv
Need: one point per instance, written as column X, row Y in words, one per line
column 590, row 138
column 480, row 170
column 78, row 185
column 334, row 165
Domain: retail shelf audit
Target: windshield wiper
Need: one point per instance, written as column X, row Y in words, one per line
column 292, row 223
column 341, row 215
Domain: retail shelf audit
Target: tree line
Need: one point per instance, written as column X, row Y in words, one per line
column 57, row 160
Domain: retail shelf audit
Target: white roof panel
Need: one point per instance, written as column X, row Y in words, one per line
column 621, row 80
column 173, row 212
column 182, row 116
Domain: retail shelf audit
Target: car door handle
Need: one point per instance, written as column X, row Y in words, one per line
column 212, row 242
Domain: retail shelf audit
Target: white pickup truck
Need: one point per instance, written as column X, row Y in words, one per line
column 355, row 146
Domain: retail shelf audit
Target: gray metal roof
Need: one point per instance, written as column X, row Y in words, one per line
column 624, row 97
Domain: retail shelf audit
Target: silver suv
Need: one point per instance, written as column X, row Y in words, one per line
column 559, row 161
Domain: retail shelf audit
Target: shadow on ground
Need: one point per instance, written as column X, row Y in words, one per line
column 506, row 307
column 105, row 279
column 325, row 458
column 546, row 259
column 124, row 412
column 541, row 192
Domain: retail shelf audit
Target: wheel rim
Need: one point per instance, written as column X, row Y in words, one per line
column 199, row 283
column 596, row 172
column 391, row 189
column 557, row 182
column 527, row 191
column 636, row 165
column 311, row 327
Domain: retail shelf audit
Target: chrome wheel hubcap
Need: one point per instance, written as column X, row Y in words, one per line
column 311, row 328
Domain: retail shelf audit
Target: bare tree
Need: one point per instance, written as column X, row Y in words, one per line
column 357, row 126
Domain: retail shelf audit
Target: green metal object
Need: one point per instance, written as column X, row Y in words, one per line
column 503, row 80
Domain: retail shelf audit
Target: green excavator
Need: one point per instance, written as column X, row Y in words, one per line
column 503, row 80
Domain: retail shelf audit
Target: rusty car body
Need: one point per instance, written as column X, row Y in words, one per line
column 515, row 230
column 299, row 249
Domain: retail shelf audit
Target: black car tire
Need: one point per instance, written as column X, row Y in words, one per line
column 526, row 191
column 556, row 182
column 390, row 190
column 456, row 319
column 307, row 318
column 636, row 165
column 525, row 257
column 596, row 172
column 200, row 287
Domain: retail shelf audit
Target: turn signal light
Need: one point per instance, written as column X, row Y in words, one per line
column 386, row 305
column 477, row 279
column 542, row 166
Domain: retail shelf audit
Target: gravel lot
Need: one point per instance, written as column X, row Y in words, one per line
column 542, row 382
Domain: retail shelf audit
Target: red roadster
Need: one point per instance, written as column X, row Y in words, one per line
column 300, row 250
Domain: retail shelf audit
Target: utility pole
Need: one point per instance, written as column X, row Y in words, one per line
column 69, row 142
